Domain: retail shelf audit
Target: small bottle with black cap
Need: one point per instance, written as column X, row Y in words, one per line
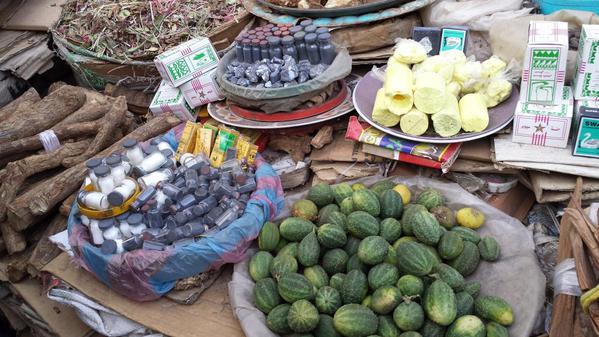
column 326, row 49
column 117, row 170
column 133, row 151
column 109, row 229
column 305, row 23
column 94, row 200
column 122, row 192
column 136, row 224
column 96, row 232
column 312, row 49
column 124, row 225
column 110, row 247
column 155, row 177
column 151, row 163
column 91, row 165
column 289, row 47
column 105, row 181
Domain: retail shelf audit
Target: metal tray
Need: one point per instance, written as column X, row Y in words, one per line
column 365, row 93
column 334, row 12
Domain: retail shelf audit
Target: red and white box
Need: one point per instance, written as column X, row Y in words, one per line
column 202, row 90
column 544, row 125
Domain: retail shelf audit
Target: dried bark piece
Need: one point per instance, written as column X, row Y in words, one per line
column 45, row 251
column 110, row 123
column 584, row 269
column 14, row 241
column 63, row 133
column 44, row 114
column 296, row 146
column 65, row 207
column 137, row 100
column 18, row 171
column 22, row 103
column 323, row 137
column 95, row 107
column 27, row 208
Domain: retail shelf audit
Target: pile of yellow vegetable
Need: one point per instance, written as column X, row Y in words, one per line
column 453, row 90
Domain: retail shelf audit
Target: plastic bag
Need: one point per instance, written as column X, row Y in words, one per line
column 476, row 14
column 273, row 100
column 516, row 276
column 565, row 280
column 145, row 275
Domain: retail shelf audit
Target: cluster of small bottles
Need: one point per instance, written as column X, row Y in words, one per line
column 275, row 56
column 176, row 204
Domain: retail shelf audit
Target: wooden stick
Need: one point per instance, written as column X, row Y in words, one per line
column 25, row 209
column 110, row 123
column 23, row 102
column 63, row 133
column 44, row 114
column 14, row 241
column 562, row 316
column 579, row 222
column 19, row 171
column 584, row 270
column 45, row 251
column 65, row 207
column 95, row 107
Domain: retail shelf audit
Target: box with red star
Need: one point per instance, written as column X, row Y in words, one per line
column 544, row 125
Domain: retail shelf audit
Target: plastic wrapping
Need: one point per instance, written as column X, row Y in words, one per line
column 565, row 280
column 284, row 98
column 145, row 275
column 516, row 276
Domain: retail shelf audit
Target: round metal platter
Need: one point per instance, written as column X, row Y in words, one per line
column 365, row 93
column 334, row 12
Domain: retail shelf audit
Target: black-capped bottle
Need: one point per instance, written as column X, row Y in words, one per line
column 274, row 47
column 289, row 47
column 312, row 48
column 326, row 49
column 300, row 45
column 264, row 54
column 306, row 23
column 295, row 29
column 239, row 49
column 247, row 50
column 256, row 56
column 310, row 29
column 322, row 30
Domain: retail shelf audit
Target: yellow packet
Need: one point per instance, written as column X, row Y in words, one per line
column 225, row 139
column 188, row 139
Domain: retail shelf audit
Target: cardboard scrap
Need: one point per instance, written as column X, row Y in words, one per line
column 527, row 156
column 38, row 15
column 335, row 172
column 343, row 150
column 210, row 316
column 556, row 187
column 474, row 166
column 479, row 150
column 61, row 319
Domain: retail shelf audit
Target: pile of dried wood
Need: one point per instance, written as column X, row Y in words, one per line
column 579, row 240
column 34, row 184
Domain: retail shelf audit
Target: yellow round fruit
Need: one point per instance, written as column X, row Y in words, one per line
column 470, row 217
column 404, row 191
column 358, row 186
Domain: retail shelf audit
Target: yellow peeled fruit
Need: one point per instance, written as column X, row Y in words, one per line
column 474, row 113
column 429, row 92
column 493, row 66
column 470, row 76
column 414, row 122
column 409, row 51
column 398, row 87
column 470, row 217
column 448, row 122
column 496, row 91
column 439, row 64
column 404, row 192
column 455, row 56
column 380, row 111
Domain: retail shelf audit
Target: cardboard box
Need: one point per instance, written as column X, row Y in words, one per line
column 586, row 78
column 170, row 99
column 586, row 139
column 544, row 69
column 545, row 125
column 202, row 90
column 187, row 61
column 453, row 38
column 579, row 103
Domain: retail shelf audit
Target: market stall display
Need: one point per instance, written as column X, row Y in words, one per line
column 331, row 8
column 183, row 216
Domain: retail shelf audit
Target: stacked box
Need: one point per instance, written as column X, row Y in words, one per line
column 202, row 90
column 170, row 99
column 586, row 140
column 545, row 125
column 544, row 69
column 586, row 78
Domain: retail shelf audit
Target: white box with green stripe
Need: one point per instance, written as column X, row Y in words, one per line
column 170, row 99
column 544, row 69
column 187, row 61
column 586, row 77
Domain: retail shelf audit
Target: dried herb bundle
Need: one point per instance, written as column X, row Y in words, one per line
column 139, row 30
